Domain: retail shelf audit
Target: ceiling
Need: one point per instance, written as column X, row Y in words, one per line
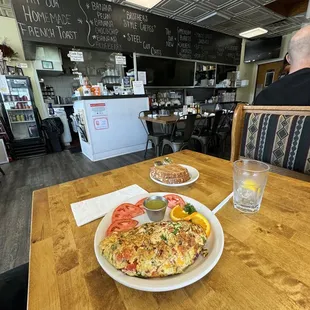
column 228, row 16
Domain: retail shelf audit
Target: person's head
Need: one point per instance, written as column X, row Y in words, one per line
column 299, row 50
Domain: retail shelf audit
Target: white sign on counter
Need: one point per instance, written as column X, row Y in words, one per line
column 142, row 77
column 101, row 123
column 138, row 88
column 98, row 109
column 99, row 114
column 120, row 60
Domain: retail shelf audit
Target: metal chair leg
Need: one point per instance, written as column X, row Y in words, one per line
column 183, row 146
column 224, row 144
column 147, row 144
column 162, row 149
column 204, row 148
column 2, row 171
column 157, row 149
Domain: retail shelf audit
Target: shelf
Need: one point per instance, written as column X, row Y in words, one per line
column 62, row 105
column 23, row 122
column 167, row 108
column 187, row 87
column 111, row 76
column 201, row 71
column 111, row 84
column 2, row 133
column 18, row 101
column 229, row 87
column 226, row 102
column 19, row 110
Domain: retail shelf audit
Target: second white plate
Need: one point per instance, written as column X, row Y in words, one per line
column 194, row 174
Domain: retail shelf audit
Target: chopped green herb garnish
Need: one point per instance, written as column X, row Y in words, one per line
column 188, row 208
column 176, row 230
column 164, row 238
column 176, row 227
column 113, row 247
column 204, row 239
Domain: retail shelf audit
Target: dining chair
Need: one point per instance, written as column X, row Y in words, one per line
column 152, row 136
column 277, row 135
column 208, row 136
column 178, row 143
column 225, row 127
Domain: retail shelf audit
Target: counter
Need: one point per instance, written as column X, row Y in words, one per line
column 108, row 97
column 109, row 125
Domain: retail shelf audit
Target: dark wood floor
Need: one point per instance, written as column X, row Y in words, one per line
column 23, row 177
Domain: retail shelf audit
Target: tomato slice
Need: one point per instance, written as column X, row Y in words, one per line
column 126, row 211
column 140, row 203
column 121, row 225
column 131, row 267
column 174, row 200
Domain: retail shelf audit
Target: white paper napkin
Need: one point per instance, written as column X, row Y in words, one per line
column 92, row 209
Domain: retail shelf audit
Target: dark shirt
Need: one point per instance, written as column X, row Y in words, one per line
column 293, row 89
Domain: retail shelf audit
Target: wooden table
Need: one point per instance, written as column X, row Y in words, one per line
column 265, row 263
column 168, row 120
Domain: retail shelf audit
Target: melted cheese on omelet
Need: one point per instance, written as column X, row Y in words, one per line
column 154, row 249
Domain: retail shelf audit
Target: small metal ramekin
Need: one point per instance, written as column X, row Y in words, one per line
column 156, row 215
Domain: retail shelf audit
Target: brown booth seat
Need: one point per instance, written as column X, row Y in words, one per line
column 278, row 135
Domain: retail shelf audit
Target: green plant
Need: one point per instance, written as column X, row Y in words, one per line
column 7, row 51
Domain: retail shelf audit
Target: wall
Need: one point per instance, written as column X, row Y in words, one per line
column 249, row 71
column 9, row 31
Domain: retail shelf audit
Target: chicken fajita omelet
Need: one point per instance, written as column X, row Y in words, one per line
column 155, row 249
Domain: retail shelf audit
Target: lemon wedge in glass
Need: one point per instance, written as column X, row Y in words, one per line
column 251, row 185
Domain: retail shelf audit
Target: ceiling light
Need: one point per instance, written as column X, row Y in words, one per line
column 217, row 17
column 145, row 3
column 253, row 33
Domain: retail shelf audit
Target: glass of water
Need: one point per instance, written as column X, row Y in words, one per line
column 250, row 178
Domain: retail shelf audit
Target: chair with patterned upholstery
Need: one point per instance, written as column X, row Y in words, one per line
column 277, row 135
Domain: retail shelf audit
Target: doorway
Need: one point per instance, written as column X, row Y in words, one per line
column 267, row 74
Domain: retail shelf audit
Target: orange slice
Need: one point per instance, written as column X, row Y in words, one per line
column 178, row 214
column 199, row 219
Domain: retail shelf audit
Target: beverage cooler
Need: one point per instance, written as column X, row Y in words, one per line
column 22, row 117
column 20, row 109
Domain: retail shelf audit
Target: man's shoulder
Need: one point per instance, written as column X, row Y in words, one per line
column 285, row 88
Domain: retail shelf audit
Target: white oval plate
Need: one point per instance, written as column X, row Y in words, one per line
column 193, row 273
column 194, row 174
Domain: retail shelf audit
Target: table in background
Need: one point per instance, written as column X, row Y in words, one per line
column 265, row 263
column 168, row 120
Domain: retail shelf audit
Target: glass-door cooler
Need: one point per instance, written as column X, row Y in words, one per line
column 21, row 113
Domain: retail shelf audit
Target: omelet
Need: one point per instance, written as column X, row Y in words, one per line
column 155, row 249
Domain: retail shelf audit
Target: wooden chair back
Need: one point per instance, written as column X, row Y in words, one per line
column 239, row 122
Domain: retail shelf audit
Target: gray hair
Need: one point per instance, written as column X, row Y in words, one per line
column 299, row 48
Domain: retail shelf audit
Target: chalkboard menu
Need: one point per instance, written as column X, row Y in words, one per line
column 112, row 27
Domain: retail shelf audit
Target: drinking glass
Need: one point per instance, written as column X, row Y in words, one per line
column 250, row 178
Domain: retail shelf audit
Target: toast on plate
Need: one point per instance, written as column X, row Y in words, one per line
column 170, row 174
